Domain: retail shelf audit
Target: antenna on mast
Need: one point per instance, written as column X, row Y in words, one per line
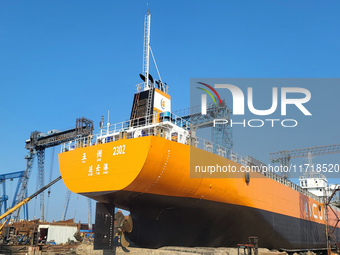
column 146, row 49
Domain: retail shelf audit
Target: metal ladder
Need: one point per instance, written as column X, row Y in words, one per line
column 136, row 105
column 149, row 106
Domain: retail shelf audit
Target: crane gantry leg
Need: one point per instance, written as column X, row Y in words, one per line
column 4, row 197
column 67, row 201
column 41, row 170
column 24, row 182
column 222, row 135
column 89, row 212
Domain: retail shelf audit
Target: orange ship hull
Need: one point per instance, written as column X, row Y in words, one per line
column 150, row 177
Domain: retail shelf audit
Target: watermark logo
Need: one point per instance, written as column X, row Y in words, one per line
column 204, row 97
column 277, row 94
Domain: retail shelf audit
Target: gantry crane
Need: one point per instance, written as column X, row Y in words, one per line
column 283, row 157
column 222, row 133
column 36, row 146
column 3, row 178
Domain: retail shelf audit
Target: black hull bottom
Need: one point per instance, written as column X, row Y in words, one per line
column 173, row 221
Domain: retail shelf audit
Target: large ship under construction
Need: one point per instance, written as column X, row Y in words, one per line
column 143, row 165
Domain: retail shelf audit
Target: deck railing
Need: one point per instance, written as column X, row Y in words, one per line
column 155, row 124
column 146, row 121
column 127, row 130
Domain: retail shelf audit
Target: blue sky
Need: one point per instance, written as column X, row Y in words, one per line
column 64, row 59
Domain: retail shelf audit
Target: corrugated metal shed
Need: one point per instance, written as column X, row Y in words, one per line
column 59, row 234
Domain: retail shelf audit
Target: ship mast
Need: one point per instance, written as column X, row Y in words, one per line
column 146, row 50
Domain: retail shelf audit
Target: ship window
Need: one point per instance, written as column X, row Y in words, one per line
column 174, row 136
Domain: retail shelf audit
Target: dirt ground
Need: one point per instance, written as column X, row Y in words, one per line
column 88, row 250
